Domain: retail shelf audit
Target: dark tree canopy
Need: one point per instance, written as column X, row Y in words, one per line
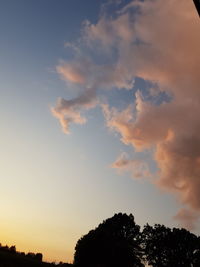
column 118, row 242
column 10, row 257
column 165, row 247
column 197, row 4
column 114, row 243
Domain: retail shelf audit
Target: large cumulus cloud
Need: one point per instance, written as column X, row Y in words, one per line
column 158, row 41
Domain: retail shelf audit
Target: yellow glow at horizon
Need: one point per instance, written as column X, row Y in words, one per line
column 37, row 242
column 31, row 219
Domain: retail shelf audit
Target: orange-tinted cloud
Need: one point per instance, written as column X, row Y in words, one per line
column 159, row 43
column 168, row 55
column 187, row 217
column 69, row 111
column 137, row 168
column 72, row 72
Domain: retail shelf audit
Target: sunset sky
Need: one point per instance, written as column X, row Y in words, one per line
column 100, row 105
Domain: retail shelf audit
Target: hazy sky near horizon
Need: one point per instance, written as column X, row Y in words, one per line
column 99, row 114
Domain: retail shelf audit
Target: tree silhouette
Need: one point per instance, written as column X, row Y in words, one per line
column 114, row 243
column 197, row 4
column 165, row 247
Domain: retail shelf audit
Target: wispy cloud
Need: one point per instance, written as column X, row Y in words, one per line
column 69, row 111
column 187, row 218
column 138, row 168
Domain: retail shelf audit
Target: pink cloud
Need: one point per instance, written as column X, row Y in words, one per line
column 169, row 55
column 137, row 168
column 187, row 218
column 159, row 43
column 69, row 111
column 73, row 72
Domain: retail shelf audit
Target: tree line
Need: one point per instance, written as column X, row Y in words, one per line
column 10, row 257
column 119, row 242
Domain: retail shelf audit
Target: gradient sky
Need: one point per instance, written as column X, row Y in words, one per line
column 56, row 186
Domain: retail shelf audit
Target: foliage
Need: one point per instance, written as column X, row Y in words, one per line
column 165, row 247
column 118, row 242
column 9, row 257
column 115, row 242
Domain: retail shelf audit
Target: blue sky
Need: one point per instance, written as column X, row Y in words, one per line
column 56, row 186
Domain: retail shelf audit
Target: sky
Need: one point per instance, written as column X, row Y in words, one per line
column 99, row 114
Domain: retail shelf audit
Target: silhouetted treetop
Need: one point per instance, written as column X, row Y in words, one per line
column 10, row 257
column 165, row 247
column 118, row 242
column 197, row 4
column 115, row 242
